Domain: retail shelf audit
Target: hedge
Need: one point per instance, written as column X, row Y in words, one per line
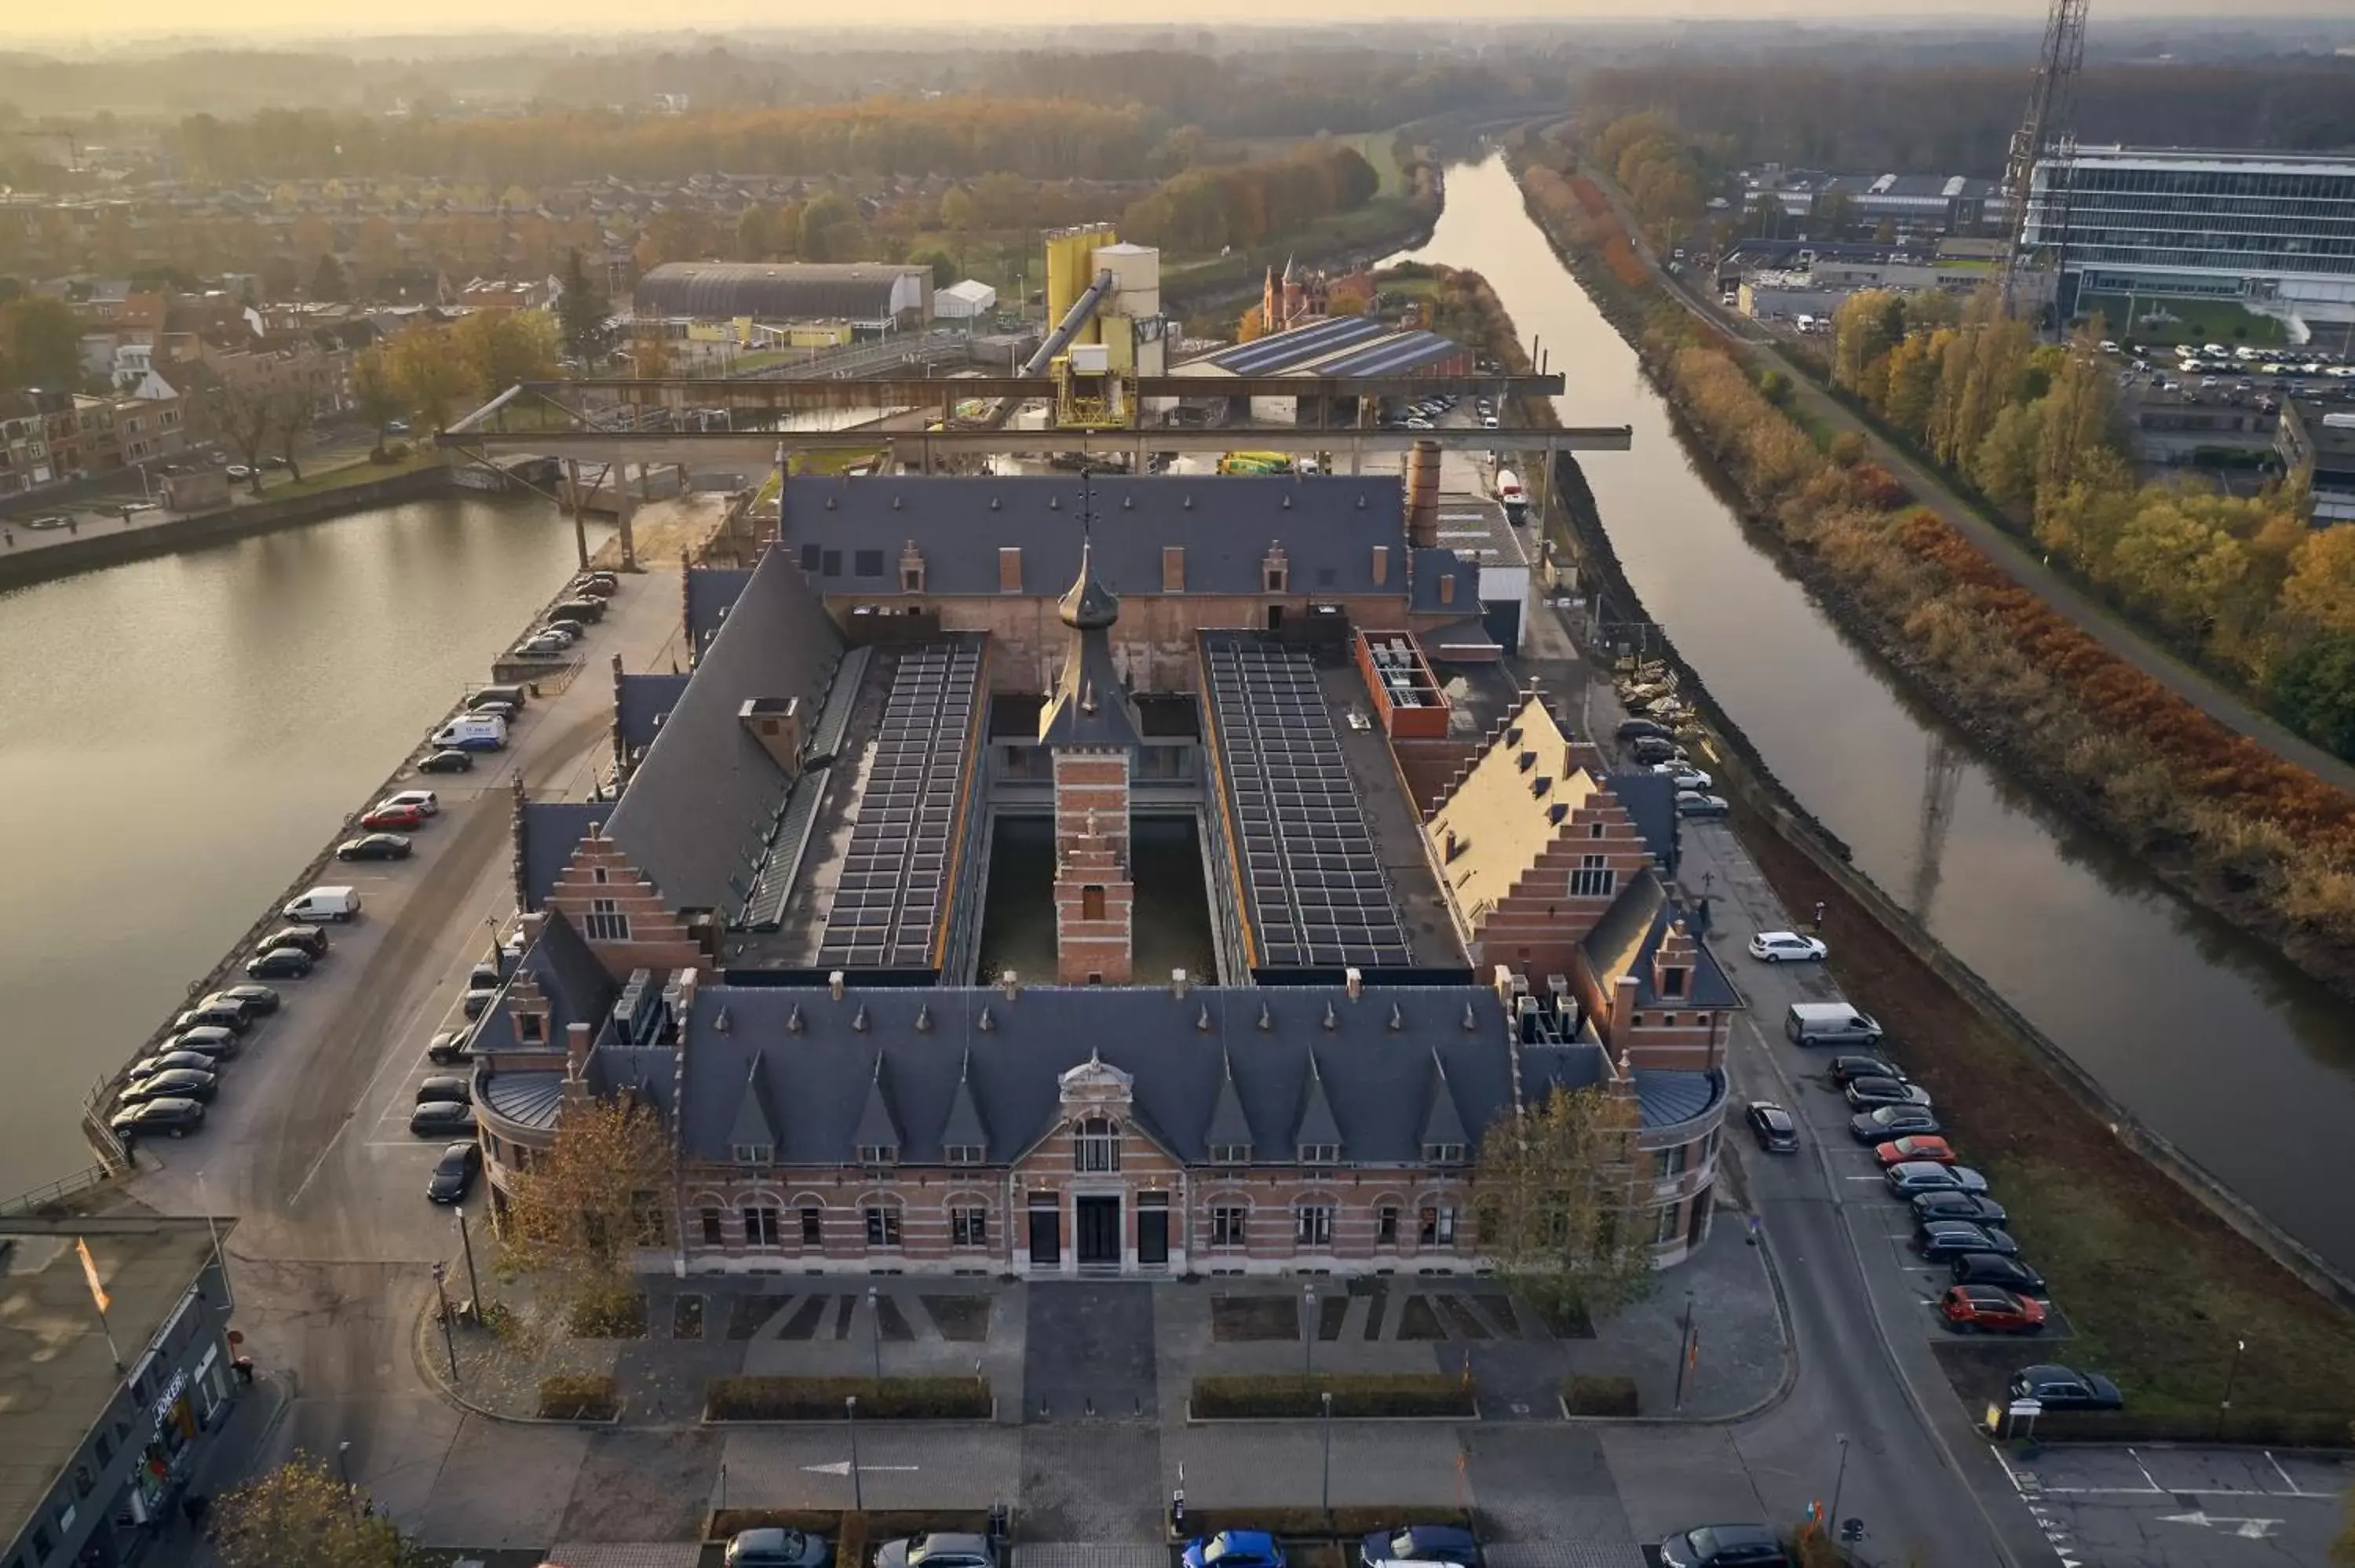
column 1305, row 1524
column 2285, row 1430
column 1600, row 1395
column 821, row 1398
column 1294, row 1397
column 579, row 1397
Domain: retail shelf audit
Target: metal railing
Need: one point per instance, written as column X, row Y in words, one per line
column 39, row 1198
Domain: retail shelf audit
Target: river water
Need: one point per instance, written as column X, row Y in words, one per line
column 179, row 735
column 2208, row 1038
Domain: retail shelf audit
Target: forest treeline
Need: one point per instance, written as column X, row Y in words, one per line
column 1205, row 209
column 1856, row 113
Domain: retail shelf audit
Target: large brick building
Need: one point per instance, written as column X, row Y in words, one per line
column 1017, row 882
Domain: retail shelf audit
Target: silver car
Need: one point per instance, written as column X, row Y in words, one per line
column 938, row 1552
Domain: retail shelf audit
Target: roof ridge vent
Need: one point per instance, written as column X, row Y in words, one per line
column 1266, row 1019
column 1202, row 1020
column 985, row 1022
column 720, row 1025
column 925, row 1018
column 1398, row 1019
column 897, row 504
column 993, row 503
column 1471, row 1020
column 829, row 503
column 1332, row 1019
column 794, row 1020
column 859, row 1021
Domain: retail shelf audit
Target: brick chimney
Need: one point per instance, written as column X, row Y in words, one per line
column 776, row 724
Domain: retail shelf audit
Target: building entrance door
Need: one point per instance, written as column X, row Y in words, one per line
column 1046, row 1239
column 1152, row 1237
column 1098, row 1223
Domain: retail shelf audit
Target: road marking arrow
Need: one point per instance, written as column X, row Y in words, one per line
column 2249, row 1528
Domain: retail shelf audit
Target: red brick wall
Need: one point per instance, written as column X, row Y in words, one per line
column 658, row 936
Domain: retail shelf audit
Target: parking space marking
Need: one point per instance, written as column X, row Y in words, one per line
column 2292, row 1485
column 2144, row 1469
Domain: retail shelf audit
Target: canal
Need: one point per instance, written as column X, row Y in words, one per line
column 179, row 735
column 2203, row 1032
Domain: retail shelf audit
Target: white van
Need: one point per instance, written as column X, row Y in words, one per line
column 321, row 904
column 473, row 732
column 1829, row 1024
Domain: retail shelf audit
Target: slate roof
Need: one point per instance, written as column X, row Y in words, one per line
column 1431, row 564
column 710, row 591
column 1378, row 1083
column 640, row 703
column 1668, row 1096
column 700, row 807
column 1328, row 524
column 550, row 831
column 1629, row 933
column 1090, row 706
column 1651, row 802
column 576, row 985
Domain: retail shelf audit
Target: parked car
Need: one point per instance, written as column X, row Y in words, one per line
column 1994, row 1268
column 440, row 1119
column 1865, row 1094
column 425, row 800
column 1971, row 1206
column 196, row 1061
column 171, row 1084
column 321, row 905
column 543, row 645
column 1787, row 948
column 1683, row 776
column 1642, row 729
column 448, row 760
column 218, row 1015
column 1650, row 750
column 1829, row 1024
column 238, row 470
column 1911, row 1176
column 567, row 625
column 173, row 1118
column 1774, row 1128
column 589, row 609
column 1693, row 803
column 1846, row 1070
column 451, row 1047
column 374, row 846
column 1724, row 1546
column 1988, row 1309
column 496, row 710
column 280, row 963
column 387, row 818
column 445, row 1086
column 2065, row 1388
column 207, row 1040
column 937, row 1551
column 1422, row 1543
column 1228, row 1549
column 310, row 938
column 771, row 1548
column 259, row 1001
column 512, row 697
column 1882, row 1123
column 562, row 637
column 478, row 1000
column 1914, row 1147
column 454, row 1174
column 1940, row 1240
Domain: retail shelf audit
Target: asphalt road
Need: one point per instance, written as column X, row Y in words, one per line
column 309, row 1144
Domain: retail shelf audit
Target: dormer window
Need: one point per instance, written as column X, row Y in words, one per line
column 961, row 1154
column 532, row 1027
column 1320, row 1154
column 879, row 1154
column 756, row 1154
column 1442, row 1154
column 1672, row 979
column 1230, row 1153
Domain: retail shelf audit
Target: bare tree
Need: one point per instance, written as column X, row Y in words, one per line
column 1555, row 1195
column 301, row 1515
column 297, row 407
column 603, row 1190
column 246, row 416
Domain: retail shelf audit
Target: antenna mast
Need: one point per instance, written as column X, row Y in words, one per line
column 2050, row 124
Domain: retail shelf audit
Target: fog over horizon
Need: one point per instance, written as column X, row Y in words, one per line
column 99, row 23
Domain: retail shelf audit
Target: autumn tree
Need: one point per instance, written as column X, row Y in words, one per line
column 246, row 413
column 496, row 349
column 603, row 1190
column 582, row 310
column 1555, row 1195
column 425, row 365
column 2320, row 591
column 40, row 344
column 328, row 280
column 301, row 1516
column 376, row 395
column 752, row 242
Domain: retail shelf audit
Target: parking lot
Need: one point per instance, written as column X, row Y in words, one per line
column 2167, row 1507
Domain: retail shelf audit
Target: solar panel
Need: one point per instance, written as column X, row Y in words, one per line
column 1314, row 888
column 887, row 902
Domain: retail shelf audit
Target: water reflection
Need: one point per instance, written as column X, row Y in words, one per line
column 2208, row 1036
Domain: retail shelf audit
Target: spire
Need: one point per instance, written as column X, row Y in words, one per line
column 1442, row 1122
column 1088, row 605
column 1317, row 1122
column 965, row 1128
column 1229, row 1128
column 753, row 1128
column 878, row 1128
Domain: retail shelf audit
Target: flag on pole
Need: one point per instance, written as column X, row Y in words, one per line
column 90, row 1272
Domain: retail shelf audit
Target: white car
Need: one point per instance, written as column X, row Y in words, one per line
column 1787, row 948
column 425, row 800
column 1683, row 775
column 1693, row 803
column 1419, row 423
column 546, row 643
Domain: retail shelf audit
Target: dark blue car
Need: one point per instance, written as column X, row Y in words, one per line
column 1422, row 1543
column 1234, row 1549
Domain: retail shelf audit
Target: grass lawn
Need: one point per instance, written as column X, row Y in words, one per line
column 2196, row 320
column 360, row 473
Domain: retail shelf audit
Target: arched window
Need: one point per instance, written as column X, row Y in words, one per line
column 1095, row 1147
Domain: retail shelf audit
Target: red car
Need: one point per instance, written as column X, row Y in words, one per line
column 395, row 818
column 1920, row 1147
column 1985, row 1309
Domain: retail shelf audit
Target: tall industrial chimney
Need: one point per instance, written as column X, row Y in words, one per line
column 1422, row 495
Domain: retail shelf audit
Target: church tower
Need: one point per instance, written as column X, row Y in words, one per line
column 1091, row 731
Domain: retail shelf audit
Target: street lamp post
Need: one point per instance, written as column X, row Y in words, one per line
column 1326, row 1401
column 474, row 1286
column 343, row 1469
column 858, row 1492
column 449, row 1339
column 1831, row 1524
column 1308, row 1334
column 1684, row 1351
column 2231, row 1376
column 874, row 1332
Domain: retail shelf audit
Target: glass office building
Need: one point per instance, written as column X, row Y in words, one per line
column 2276, row 230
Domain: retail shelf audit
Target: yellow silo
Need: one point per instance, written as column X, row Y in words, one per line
column 1070, row 268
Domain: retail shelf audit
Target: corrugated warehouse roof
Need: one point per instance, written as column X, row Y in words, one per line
column 1400, row 354
column 1281, row 351
column 714, row 291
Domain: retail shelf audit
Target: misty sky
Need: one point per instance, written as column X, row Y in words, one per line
column 96, row 21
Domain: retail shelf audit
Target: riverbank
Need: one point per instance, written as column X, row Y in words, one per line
column 2144, row 1269
column 2215, row 815
column 34, row 558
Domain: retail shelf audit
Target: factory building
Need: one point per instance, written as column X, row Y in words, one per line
column 871, row 297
